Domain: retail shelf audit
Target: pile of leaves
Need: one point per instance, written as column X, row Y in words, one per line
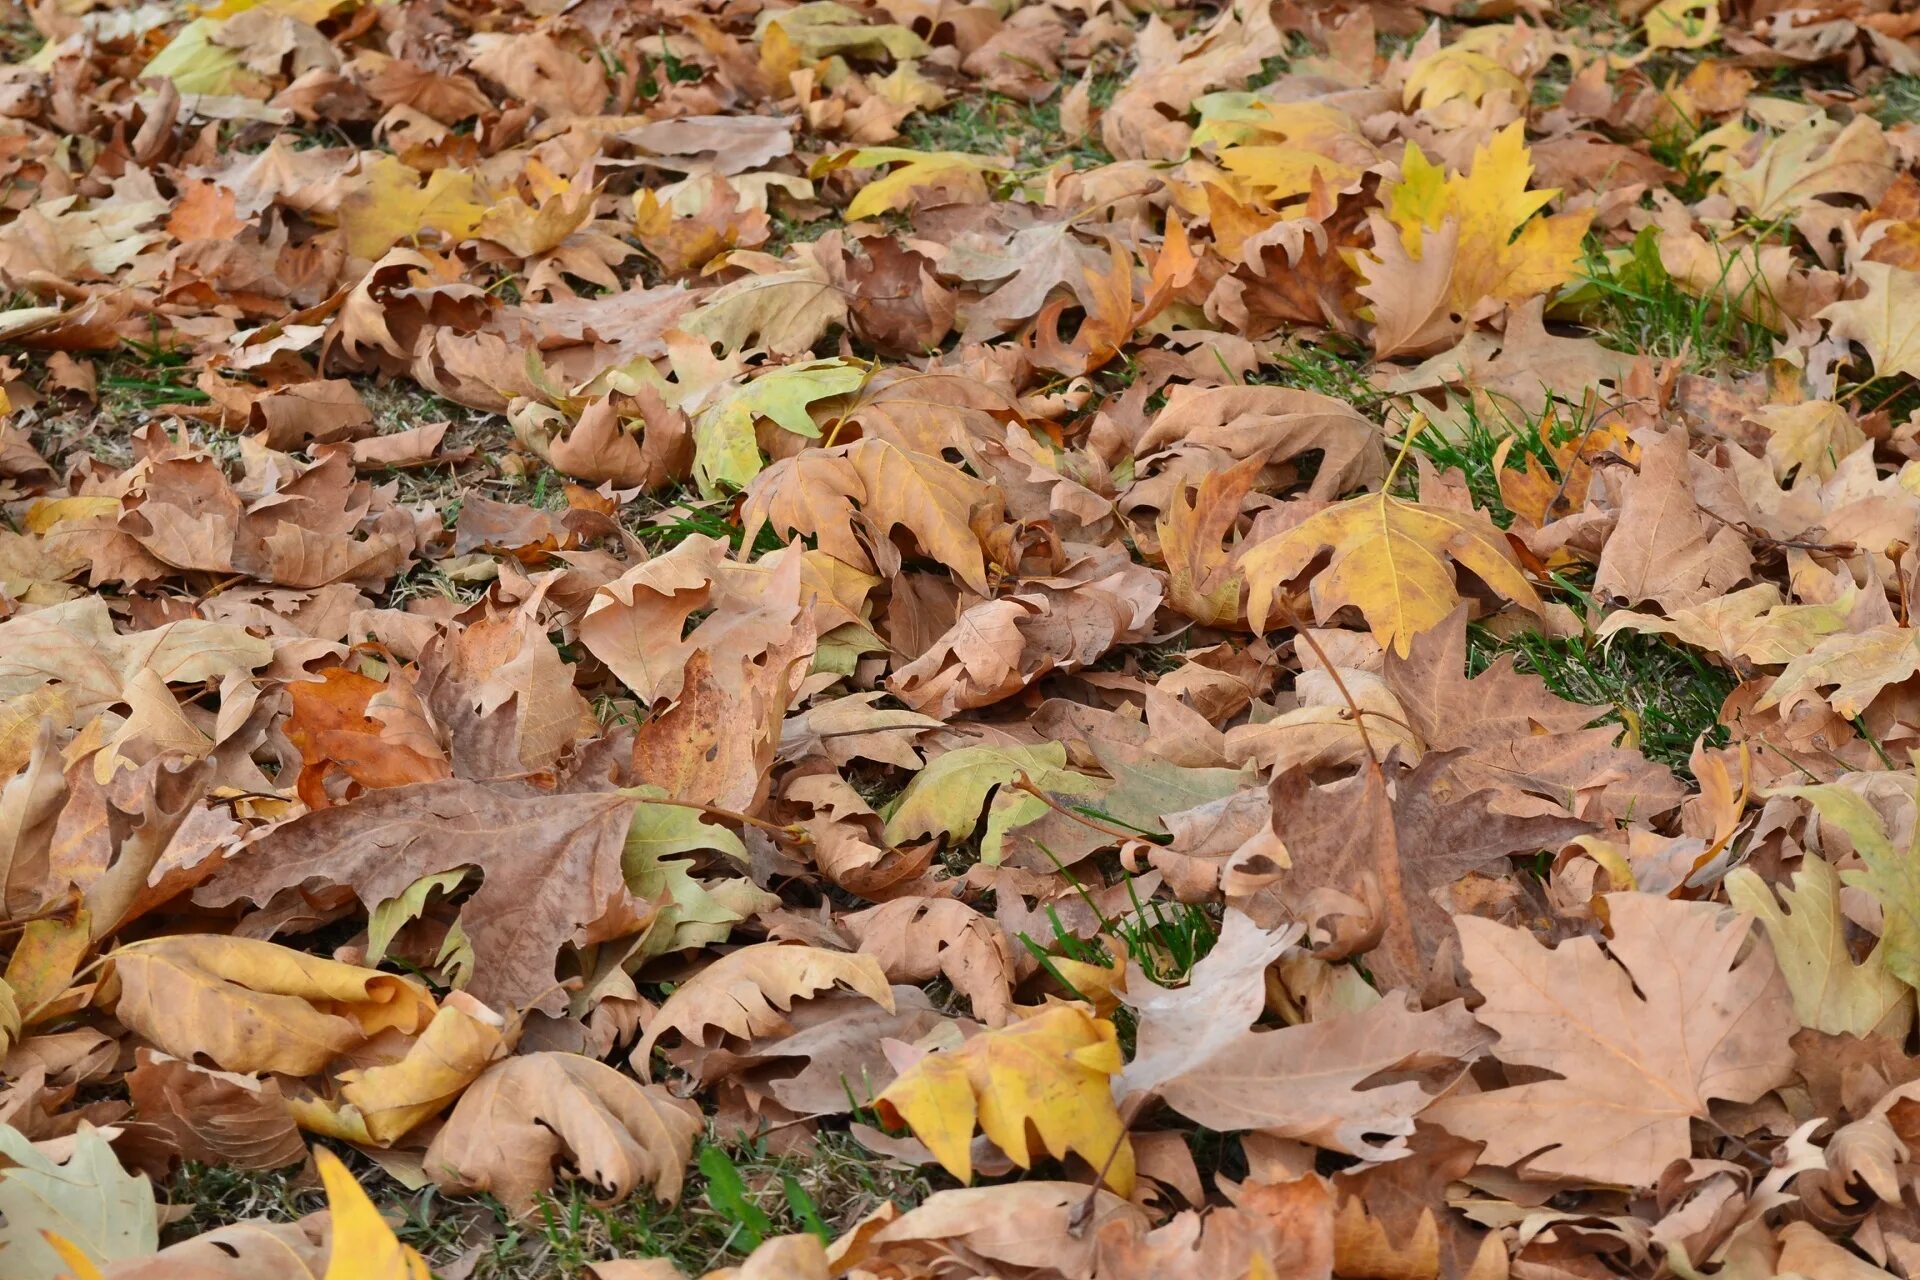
column 1095, row 601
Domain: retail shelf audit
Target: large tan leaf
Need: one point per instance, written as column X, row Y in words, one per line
column 817, row 494
column 1640, row 1038
column 551, row 868
column 247, row 1005
column 529, row 1111
column 744, row 994
column 1665, row 547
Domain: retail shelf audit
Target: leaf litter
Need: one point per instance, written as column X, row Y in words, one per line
column 1030, row 592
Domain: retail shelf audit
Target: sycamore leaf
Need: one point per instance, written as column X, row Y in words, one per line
column 1049, row 1077
column 364, row 1246
column 1640, row 1038
column 960, row 177
column 821, row 28
column 1885, row 319
column 1891, row 874
column 1393, row 560
column 1504, row 252
column 527, row 1113
column 1831, row 992
column 744, row 993
column 89, row 1202
column 725, row 451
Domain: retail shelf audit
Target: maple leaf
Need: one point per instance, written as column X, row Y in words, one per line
column 1885, row 319
column 1667, row 548
column 1891, row 874
column 784, row 311
column 725, row 451
column 1048, row 1075
column 363, row 1245
column 1504, row 253
column 1858, row 664
column 392, row 204
column 1393, row 560
column 1640, row 1037
column 946, row 797
column 1830, row 991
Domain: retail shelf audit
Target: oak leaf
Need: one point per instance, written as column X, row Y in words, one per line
column 744, row 993
column 524, row 1114
column 87, row 1202
column 1641, row 1037
column 1048, row 1076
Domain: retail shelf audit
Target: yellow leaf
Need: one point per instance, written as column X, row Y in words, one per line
column 248, row 1005
column 364, row 1246
column 1456, row 74
column 392, row 205
column 82, row 1266
column 1683, row 24
column 962, row 176
column 1393, row 560
column 1504, row 252
column 380, row 1104
column 1049, row 1076
column 1831, row 992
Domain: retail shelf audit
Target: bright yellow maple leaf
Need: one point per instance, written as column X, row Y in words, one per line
column 1392, row 560
column 1504, row 253
column 1048, row 1076
column 392, row 205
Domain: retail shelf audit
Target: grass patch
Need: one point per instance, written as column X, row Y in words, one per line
column 1899, row 100
column 994, row 124
column 734, row 1196
column 1632, row 304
